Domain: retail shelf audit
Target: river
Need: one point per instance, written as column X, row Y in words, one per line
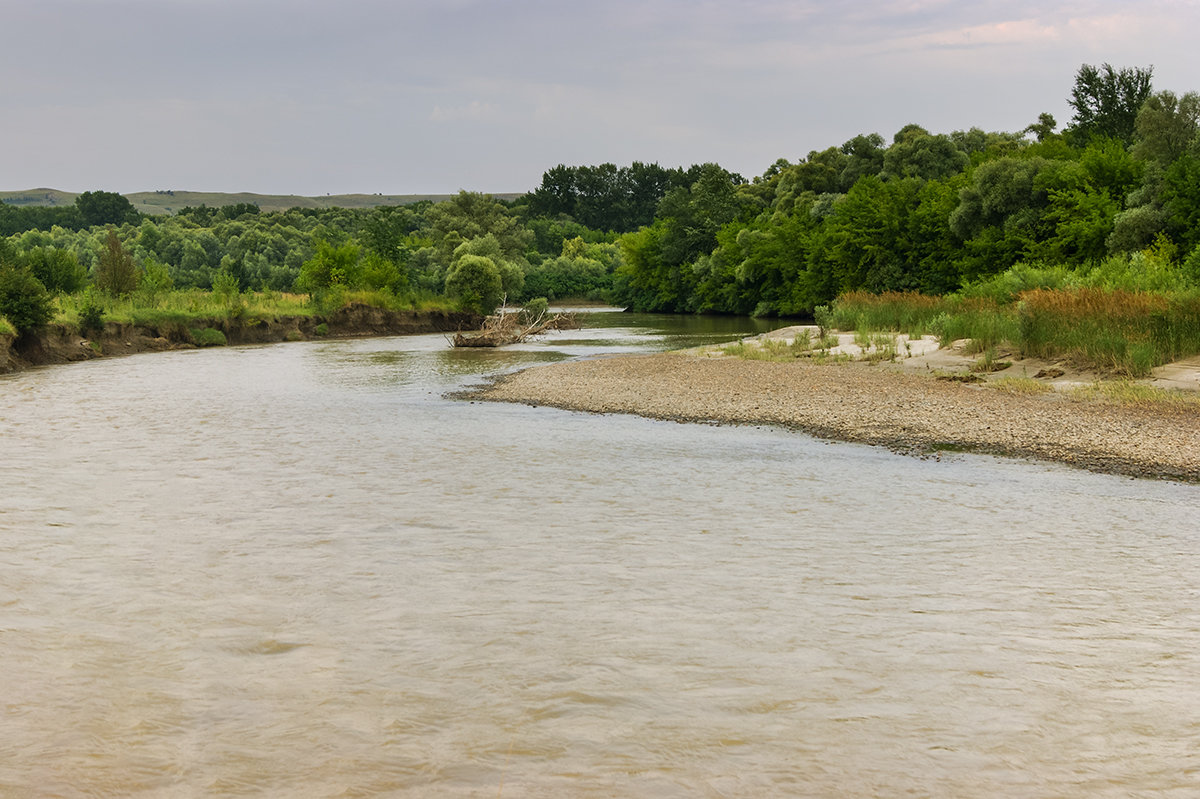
column 303, row 570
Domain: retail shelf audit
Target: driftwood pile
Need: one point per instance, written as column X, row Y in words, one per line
column 510, row 328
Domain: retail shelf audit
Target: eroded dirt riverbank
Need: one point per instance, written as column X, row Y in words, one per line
column 58, row 344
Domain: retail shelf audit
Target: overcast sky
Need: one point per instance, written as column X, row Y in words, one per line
column 432, row 96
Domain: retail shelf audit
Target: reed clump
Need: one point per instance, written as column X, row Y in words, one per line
column 1115, row 331
column 907, row 312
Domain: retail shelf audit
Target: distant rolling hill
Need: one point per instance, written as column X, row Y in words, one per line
column 168, row 202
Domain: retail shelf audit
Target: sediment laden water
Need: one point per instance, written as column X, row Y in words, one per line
column 300, row 570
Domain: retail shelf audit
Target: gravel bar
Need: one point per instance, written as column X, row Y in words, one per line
column 871, row 404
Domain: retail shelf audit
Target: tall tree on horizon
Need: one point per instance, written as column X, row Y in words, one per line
column 1107, row 102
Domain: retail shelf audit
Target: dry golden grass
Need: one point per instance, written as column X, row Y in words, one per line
column 1092, row 303
column 1126, row 392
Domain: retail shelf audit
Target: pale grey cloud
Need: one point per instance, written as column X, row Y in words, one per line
column 429, row 95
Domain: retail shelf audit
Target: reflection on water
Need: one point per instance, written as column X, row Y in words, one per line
column 301, row 570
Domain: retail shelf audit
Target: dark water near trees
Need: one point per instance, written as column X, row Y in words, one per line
column 301, row 570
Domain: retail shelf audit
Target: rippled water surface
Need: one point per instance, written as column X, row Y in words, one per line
column 301, row 570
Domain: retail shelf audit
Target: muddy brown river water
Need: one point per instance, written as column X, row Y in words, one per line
column 302, row 570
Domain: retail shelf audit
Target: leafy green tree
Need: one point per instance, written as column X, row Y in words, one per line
column 864, row 156
column 600, row 196
column 116, row 273
column 557, row 194
column 605, row 197
column 1108, row 165
column 936, row 262
column 155, row 280
column 388, row 232
column 980, row 146
column 237, row 211
column 1083, row 221
column 868, row 244
column 512, row 270
column 105, row 208
column 57, row 269
column 474, row 281
column 549, row 235
column 470, row 215
column 330, row 266
column 820, row 172
column 645, row 282
column 1181, row 201
column 377, row 272
column 1107, row 102
column 582, row 269
column 1167, row 127
column 150, row 237
column 1135, row 228
column 997, row 192
column 1043, row 128
column 14, row 219
column 24, row 301
column 201, row 214
column 692, row 216
column 915, row 153
column 193, row 268
column 759, row 267
column 567, row 276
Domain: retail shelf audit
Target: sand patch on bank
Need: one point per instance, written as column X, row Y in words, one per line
column 925, row 354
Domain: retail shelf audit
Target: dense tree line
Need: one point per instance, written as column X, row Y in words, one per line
column 933, row 213
column 925, row 212
column 405, row 250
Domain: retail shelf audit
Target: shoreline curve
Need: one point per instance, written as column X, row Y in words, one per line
column 858, row 402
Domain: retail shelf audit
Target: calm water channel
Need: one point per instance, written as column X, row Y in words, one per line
column 301, row 570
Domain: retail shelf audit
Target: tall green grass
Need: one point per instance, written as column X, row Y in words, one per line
column 906, row 312
column 1111, row 330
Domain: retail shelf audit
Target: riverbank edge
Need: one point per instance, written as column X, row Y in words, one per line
column 60, row 344
column 911, row 414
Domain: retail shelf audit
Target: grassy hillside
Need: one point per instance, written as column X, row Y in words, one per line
column 168, row 202
column 38, row 197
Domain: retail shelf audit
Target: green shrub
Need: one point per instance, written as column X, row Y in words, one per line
column 322, row 329
column 225, row 286
column 58, row 269
column 24, row 301
column 155, row 281
column 378, row 272
column 329, row 266
column 327, row 300
column 91, row 313
column 534, row 309
column 208, row 337
column 474, row 281
column 1007, row 286
column 823, row 317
